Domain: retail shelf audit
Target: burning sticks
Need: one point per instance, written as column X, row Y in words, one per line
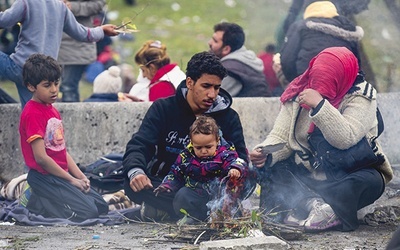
column 234, row 228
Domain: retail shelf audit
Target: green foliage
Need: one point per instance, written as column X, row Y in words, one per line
column 184, row 211
column 184, row 30
column 21, row 243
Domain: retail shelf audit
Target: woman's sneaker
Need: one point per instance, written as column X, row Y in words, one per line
column 292, row 220
column 321, row 217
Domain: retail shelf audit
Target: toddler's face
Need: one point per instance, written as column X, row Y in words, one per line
column 204, row 145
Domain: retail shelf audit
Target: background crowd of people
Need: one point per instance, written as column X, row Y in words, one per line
column 280, row 63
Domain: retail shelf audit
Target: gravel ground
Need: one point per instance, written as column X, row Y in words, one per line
column 139, row 235
column 152, row 236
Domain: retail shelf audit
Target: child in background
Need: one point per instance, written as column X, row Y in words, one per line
column 206, row 158
column 106, row 86
column 59, row 189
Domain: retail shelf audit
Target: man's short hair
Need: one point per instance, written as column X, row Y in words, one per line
column 205, row 63
column 233, row 35
column 39, row 67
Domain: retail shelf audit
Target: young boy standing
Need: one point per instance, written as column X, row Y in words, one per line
column 59, row 188
column 42, row 24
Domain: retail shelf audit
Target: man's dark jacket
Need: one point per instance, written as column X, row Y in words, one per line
column 165, row 128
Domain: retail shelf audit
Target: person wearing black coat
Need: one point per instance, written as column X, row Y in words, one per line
column 322, row 27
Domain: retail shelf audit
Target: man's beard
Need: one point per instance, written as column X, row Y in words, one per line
column 217, row 53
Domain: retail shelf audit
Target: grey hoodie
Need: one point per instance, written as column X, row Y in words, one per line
column 245, row 74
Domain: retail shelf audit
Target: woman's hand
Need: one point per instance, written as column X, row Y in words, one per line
column 310, row 97
column 258, row 158
column 124, row 97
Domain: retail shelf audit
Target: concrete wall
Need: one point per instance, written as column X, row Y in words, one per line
column 95, row 129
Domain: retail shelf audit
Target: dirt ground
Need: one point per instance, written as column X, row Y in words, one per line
column 153, row 236
column 382, row 219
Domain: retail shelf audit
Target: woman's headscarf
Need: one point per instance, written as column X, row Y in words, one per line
column 332, row 73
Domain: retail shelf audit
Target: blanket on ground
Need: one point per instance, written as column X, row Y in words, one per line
column 14, row 212
column 121, row 208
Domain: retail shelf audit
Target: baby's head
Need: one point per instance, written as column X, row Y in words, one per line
column 204, row 135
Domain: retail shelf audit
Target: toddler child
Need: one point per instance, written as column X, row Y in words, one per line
column 208, row 157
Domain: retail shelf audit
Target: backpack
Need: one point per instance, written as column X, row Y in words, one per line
column 106, row 174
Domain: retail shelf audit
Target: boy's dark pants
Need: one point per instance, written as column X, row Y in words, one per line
column 56, row 198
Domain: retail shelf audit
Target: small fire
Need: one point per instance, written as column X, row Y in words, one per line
column 227, row 205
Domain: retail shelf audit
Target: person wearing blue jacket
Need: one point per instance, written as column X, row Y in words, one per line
column 42, row 25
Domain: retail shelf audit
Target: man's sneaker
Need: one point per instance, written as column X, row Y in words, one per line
column 321, row 217
column 150, row 213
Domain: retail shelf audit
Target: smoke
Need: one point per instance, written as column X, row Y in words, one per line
column 226, row 202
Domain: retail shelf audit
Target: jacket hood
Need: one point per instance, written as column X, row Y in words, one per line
column 223, row 101
column 245, row 56
column 337, row 28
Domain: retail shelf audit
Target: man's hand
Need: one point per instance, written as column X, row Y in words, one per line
column 109, row 29
column 140, row 182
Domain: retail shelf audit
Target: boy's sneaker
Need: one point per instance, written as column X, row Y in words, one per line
column 150, row 213
column 321, row 217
